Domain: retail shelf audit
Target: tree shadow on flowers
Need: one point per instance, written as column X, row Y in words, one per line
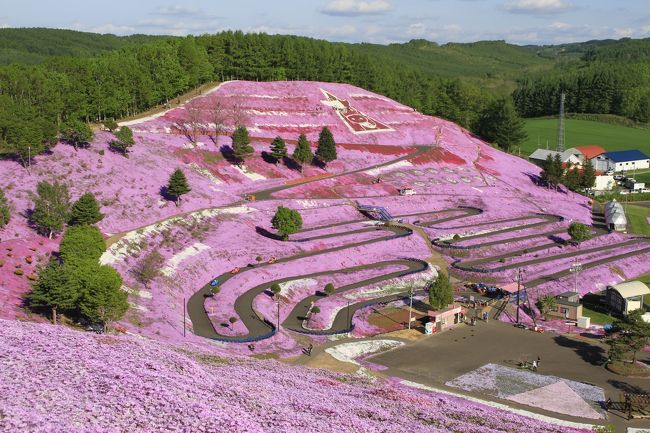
column 594, row 355
column 267, row 234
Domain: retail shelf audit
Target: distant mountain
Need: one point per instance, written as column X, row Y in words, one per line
column 34, row 45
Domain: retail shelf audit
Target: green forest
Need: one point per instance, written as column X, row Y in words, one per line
column 50, row 77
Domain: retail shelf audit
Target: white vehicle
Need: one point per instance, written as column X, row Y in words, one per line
column 609, row 172
column 407, row 191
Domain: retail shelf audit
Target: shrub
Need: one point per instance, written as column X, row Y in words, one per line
column 19, row 272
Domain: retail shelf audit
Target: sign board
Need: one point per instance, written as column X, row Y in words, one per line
column 428, row 328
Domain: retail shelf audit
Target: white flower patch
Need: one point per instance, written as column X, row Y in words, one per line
column 349, row 352
column 248, row 173
column 289, row 287
column 479, row 190
column 144, row 294
column 138, row 307
column 399, row 164
column 308, row 204
column 394, row 286
column 205, row 173
column 178, row 258
column 498, row 406
column 482, row 232
column 122, row 248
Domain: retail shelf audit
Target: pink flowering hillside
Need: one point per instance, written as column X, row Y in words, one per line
column 56, row 380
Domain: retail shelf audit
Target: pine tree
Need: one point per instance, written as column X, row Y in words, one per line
column 101, row 296
column 85, row 211
column 124, row 140
column 177, row 185
column 440, row 293
column 56, row 289
column 77, row 133
column 5, row 211
column 302, row 153
column 500, row 124
column 558, row 170
column 278, row 149
column 241, row 147
column 326, row 150
column 82, row 243
column 588, row 178
column 51, row 207
column 572, row 179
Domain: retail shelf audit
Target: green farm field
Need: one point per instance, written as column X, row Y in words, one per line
column 581, row 132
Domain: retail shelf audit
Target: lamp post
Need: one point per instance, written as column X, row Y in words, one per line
column 575, row 269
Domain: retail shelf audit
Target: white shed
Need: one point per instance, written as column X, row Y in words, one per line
column 615, row 216
column 626, row 297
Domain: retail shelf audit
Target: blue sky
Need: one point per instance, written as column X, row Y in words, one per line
column 377, row 21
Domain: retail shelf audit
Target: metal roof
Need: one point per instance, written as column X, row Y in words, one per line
column 590, row 150
column 631, row 289
column 626, row 155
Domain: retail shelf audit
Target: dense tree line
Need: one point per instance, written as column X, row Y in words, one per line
column 601, row 88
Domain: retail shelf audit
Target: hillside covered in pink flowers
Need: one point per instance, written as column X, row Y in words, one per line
column 56, row 380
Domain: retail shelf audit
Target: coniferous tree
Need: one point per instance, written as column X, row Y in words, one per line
column 326, row 150
column 5, row 211
column 241, row 147
column 278, row 149
column 77, row 133
column 302, row 153
column 572, row 179
column 82, row 243
column 123, row 140
column 85, row 211
column 178, row 185
column 56, row 289
column 440, row 293
column 51, row 207
column 500, row 124
column 588, row 178
column 101, row 298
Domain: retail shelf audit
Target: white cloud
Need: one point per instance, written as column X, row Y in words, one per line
column 177, row 10
column 445, row 32
column 537, row 7
column 356, row 7
column 104, row 28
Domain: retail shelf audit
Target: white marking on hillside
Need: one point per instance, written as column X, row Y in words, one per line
column 130, row 242
column 288, row 287
column 162, row 113
column 379, row 170
column 349, row 352
column 521, row 412
column 178, row 258
column 248, row 173
column 206, row 173
column 479, row 190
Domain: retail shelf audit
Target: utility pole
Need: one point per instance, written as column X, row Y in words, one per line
column 184, row 315
column 518, row 291
column 278, row 313
column 410, row 305
column 349, row 315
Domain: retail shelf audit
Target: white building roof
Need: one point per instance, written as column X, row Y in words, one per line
column 570, row 155
column 631, row 289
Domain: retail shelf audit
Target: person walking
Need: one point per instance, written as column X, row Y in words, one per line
column 535, row 365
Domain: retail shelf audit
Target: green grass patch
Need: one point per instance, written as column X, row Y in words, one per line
column 582, row 132
column 637, row 217
column 597, row 317
column 592, row 308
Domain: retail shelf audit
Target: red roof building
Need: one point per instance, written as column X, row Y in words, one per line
column 590, row 151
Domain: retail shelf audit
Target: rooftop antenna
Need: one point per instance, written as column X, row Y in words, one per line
column 560, row 127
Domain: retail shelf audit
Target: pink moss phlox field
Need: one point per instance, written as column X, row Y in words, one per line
column 62, row 380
